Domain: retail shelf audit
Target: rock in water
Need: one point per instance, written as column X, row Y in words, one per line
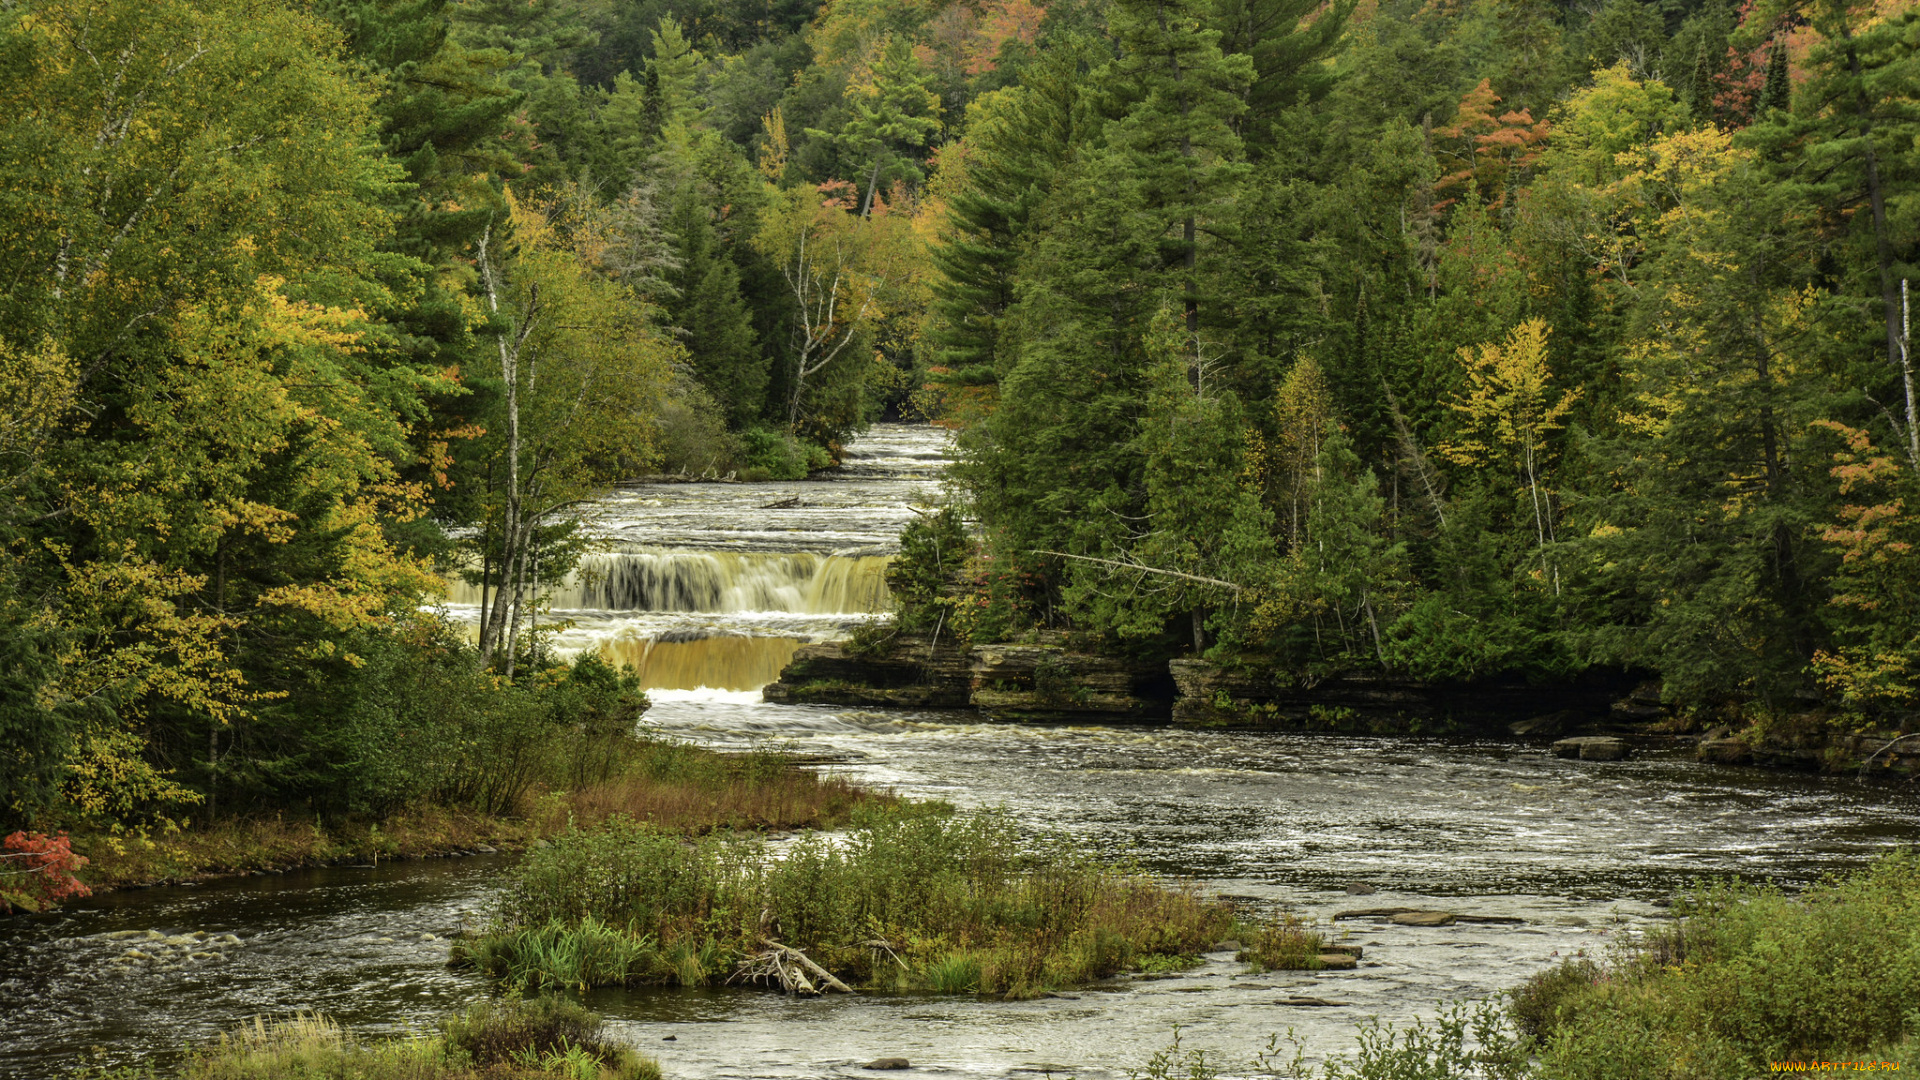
column 1229, row 945
column 1423, row 918
column 1591, row 748
column 1309, row 1002
column 1338, row 961
column 888, row 1063
column 1360, row 888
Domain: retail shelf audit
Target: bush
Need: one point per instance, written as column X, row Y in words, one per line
column 694, row 439
column 1283, row 944
column 778, row 455
column 1750, row 975
column 925, row 578
column 1546, row 999
column 510, row 1040
column 910, row 897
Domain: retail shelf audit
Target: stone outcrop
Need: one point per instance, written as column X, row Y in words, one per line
column 908, row 672
column 1214, row 696
column 1591, row 748
column 1010, row 682
column 1048, row 682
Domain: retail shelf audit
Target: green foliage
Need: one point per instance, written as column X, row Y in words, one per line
column 934, row 550
column 506, row 1040
column 910, row 898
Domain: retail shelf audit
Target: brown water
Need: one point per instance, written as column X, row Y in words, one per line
column 1580, row 851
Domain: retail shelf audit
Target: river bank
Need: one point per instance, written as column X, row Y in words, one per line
column 673, row 786
column 1051, row 679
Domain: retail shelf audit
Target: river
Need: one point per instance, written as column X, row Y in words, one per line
column 709, row 587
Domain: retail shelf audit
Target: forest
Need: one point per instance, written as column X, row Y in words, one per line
column 1450, row 339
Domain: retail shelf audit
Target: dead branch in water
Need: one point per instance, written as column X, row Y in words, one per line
column 789, row 967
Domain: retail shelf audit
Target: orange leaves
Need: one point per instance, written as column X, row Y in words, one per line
column 1488, row 147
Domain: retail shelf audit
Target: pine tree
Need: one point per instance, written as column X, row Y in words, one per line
column 1288, row 42
column 719, row 337
column 1178, row 136
column 1778, row 93
column 895, row 115
column 1017, row 144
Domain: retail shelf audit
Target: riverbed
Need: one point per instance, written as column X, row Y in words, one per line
column 723, row 579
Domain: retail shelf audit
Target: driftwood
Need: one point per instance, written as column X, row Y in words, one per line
column 790, row 968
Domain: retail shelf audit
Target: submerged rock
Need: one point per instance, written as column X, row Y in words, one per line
column 1591, row 748
column 1309, row 1002
column 1724, row 751
column 1360, row 888
column 888, row 1063
column 1338, row 961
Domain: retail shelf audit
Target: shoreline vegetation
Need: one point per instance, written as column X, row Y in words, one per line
column 568, row 749
column 678, row 788
column 910, row 897
column 510, row 1039
column 1744, row 978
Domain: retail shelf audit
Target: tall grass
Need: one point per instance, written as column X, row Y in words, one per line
column 539, row 1039
column 908, row 898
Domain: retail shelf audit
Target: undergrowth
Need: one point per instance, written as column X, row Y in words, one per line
column 538, row 1039
column 676, row 787
column 909, row 898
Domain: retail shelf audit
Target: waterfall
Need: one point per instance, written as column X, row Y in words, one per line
column 716, row 581
column 726, row 662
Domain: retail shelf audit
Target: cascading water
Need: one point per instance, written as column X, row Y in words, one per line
column 716, row 585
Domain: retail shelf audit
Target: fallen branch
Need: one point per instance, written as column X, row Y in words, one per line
column 789, row 967
column 1142, row 569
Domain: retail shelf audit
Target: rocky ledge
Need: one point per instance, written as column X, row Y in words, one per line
column 1026, row 682
column 1211, row 695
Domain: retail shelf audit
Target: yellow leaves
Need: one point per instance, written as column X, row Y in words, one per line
column 1510, row 405
column 37, row 385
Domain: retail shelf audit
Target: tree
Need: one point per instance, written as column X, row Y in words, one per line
column 820, row 247
column 1178, row 133
column 1511, row 410
column 894, row 116
column 584, row 373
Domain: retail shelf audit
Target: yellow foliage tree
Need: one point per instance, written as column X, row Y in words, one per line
column 1511, row 409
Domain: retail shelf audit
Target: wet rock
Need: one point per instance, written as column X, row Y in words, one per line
column 1591, row 748
column 1350, row 950
column 888, row 1063
column 1228, row 945
column 671, row 1038
column 1423, row 918
column 179, row 939
column 1309, row 1003
column 228, row 939
column 1338, row 961
column 908, row 672
column 122, row 935
column 483, row 849
column 1269, row 699
column 1724, row 751
column 1360, row 888
column 1248, row 986
column 1498, row 920
column 1552, row 723
column 541, row 845
column 1049, row 682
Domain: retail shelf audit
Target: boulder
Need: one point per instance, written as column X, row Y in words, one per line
column 1338, row 961
column 888, row 1063
column 1591, row 748
column 1724, row 751
column 1423, row 918
column 1359, row 888
column 908, row 672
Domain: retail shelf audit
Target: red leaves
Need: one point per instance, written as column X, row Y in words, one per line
column 36, row 872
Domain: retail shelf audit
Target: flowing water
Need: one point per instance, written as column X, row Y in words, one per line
column 705, row 588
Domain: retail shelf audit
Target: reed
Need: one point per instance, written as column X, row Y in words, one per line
column 537, row 1039
column 910, row 897
column 676, row 787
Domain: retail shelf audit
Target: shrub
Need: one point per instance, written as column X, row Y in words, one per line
column 1283, row 944
column 1547, row 998
column 37, row 871
column 909, row 896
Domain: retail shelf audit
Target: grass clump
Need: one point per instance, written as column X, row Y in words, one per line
column 677, row 787
column 909, row 898
column 538, row 1039
column 1747, row 976
column 1284, row 943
